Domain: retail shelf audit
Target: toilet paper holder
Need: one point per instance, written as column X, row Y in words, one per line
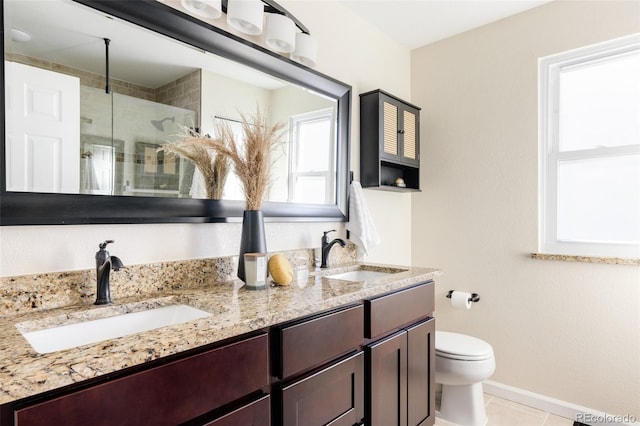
column 475, row 297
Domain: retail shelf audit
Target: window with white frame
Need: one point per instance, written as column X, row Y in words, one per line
column 589, row 158
column 313, row 152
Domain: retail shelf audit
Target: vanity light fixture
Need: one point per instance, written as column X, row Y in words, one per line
column 250, row 16
column 246, row 16
column 211, row 9
column 306, row 51
column 281, row 33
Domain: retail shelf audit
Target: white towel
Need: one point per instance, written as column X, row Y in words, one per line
column 363, row 231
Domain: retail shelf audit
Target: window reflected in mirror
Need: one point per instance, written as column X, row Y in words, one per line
column 313, row 173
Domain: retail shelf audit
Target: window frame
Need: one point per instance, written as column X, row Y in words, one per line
column 549, row 154
column 294, row 173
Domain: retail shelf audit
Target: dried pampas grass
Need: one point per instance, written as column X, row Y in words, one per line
column 214, row 167
column 251, row 160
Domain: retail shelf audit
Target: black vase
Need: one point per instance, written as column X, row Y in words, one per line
column 253, row 239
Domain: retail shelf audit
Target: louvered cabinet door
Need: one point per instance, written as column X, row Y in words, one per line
column 390, row 130
column 409, row 137
column 400, row 140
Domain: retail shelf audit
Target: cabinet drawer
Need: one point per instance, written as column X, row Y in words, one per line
column 165, row 395
column 388, row 312
column 305, row 344
column 333, row 396
column 257, row 413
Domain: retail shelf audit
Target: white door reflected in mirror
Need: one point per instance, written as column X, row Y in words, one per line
column 42, row 139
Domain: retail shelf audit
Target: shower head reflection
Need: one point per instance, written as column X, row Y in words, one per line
column 159, row 124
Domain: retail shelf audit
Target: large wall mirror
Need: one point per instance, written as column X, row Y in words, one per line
column 94, row 88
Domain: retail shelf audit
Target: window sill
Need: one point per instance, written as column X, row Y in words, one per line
column 586, row 259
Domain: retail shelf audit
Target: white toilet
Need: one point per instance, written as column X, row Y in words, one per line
column 462, row 363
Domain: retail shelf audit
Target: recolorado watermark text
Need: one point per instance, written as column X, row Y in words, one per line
column 594, row 419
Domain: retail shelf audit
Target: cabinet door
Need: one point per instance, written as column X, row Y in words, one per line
column 390, row 130
column 408, row 134
column 421, row 373
column 400, row 132
column 386, row 387
column 333, row 396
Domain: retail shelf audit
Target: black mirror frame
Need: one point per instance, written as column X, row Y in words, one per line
column 23, row 208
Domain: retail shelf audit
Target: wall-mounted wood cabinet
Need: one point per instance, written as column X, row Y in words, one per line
column 389, row 142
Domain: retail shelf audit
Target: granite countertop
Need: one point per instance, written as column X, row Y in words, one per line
column 24, row 372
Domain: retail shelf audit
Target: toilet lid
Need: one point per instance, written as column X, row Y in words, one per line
column 463, row 347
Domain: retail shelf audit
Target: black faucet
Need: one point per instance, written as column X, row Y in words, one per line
column 104, row 264
column 326, row 247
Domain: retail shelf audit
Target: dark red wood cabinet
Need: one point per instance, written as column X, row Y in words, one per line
column 421, row 373
column 389, row 312
column 332, row 396
column 387, row 384
column 299, row 345
column 320, row 364
column 365, row 363
column 168, row 394
column 400, row 359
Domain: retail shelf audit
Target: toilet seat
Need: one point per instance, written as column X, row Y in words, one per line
column 461, row 347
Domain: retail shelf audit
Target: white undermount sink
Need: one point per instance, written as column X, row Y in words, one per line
column 93, row 331
column 360, row 275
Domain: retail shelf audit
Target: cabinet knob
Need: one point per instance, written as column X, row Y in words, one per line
column 401, row 132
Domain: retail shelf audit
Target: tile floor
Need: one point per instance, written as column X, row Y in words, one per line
column 502, row 412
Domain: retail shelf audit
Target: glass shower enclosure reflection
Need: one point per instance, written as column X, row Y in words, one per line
column 120, row 139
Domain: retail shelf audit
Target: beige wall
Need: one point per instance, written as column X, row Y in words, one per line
column 355, row 52
column 569, row 331
column 351, row 51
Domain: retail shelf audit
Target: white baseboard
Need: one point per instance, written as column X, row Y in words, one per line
column 555, row 406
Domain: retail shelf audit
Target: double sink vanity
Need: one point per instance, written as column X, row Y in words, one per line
column 351, row 344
